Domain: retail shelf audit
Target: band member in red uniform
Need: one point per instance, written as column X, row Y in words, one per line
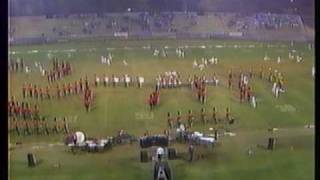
column 86, row 82
column 58, row 73
column 58, row 92
column 24, row 90
column 203, row 116
column 64, row 88
column 230, row 78
column 179, row 118
column 87, row 104
column 24, row 111
column 41, row 93
column 36, row 112
column 36, row 93
column 203, row 94
column 241, row 94
column 214, row 115
column 170, row 122
column 75, row 87
column 95, row 80
column 227, row 114
column 190, row 118
column 249, row 93
column 91, row 96
column 48, row 92
column 81, row 85
column 69, row 69
column 157, row 97
column 69, row 88
column 199, row 93
column 48, row 76
column 17, row 109
column 10, row 109
column 151, row 101
column 63, row 68
column 30, row 90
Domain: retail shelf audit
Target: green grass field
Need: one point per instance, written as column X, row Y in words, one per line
column 119, row 108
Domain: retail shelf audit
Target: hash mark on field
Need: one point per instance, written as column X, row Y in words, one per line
column 286, row 108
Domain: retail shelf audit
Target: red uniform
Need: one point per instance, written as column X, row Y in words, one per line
column 58, row 92
column 17, row 110
column 87, row 104
column 24, row 90
column 241, row 94
column 41, row 93
column 81, row 85
column 75, row 87
column 48, row 77
column 9, row 108
column 69, row 88
column 30, row 90
column 151, row 101
column 36, row 92
column 230, row 75
column 249, row 94
column 64, row 88
column 68, row 68
column 48, row 92
column 36, row 110
column 59, row 74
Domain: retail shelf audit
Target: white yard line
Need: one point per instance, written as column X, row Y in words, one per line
column 35, row 51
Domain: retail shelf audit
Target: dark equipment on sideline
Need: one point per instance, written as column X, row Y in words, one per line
column 144, row 156
column 157, row 140
column 159, row 153
column 32, row 161
column 172, row 153
column 271, row 143
column 162, row 171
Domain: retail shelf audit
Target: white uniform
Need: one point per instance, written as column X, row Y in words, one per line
column 313, row 71
column 279, row 60
column 253, row 101
column 97, row 80
column 115, row 80
column 108, row 62
column 141, row 81
column 277, row 91
column 103, row 60
column 156, row 52
column 211, row 60
column 245, row 80
column 126, row 80
column 201, row 67
column 106, row 80
column 27, row 69
column 291, row 56
column 195, row 64
column 43, row 72
column 274, row 88
column 299, row 59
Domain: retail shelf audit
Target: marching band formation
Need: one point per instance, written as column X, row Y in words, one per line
column 167, row 80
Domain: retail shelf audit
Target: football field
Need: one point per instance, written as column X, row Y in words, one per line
column 127, row 108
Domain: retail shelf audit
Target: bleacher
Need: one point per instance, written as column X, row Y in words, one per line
column 140, row 23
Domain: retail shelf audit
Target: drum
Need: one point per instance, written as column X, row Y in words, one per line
column 92, row 147
column 80, row 137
